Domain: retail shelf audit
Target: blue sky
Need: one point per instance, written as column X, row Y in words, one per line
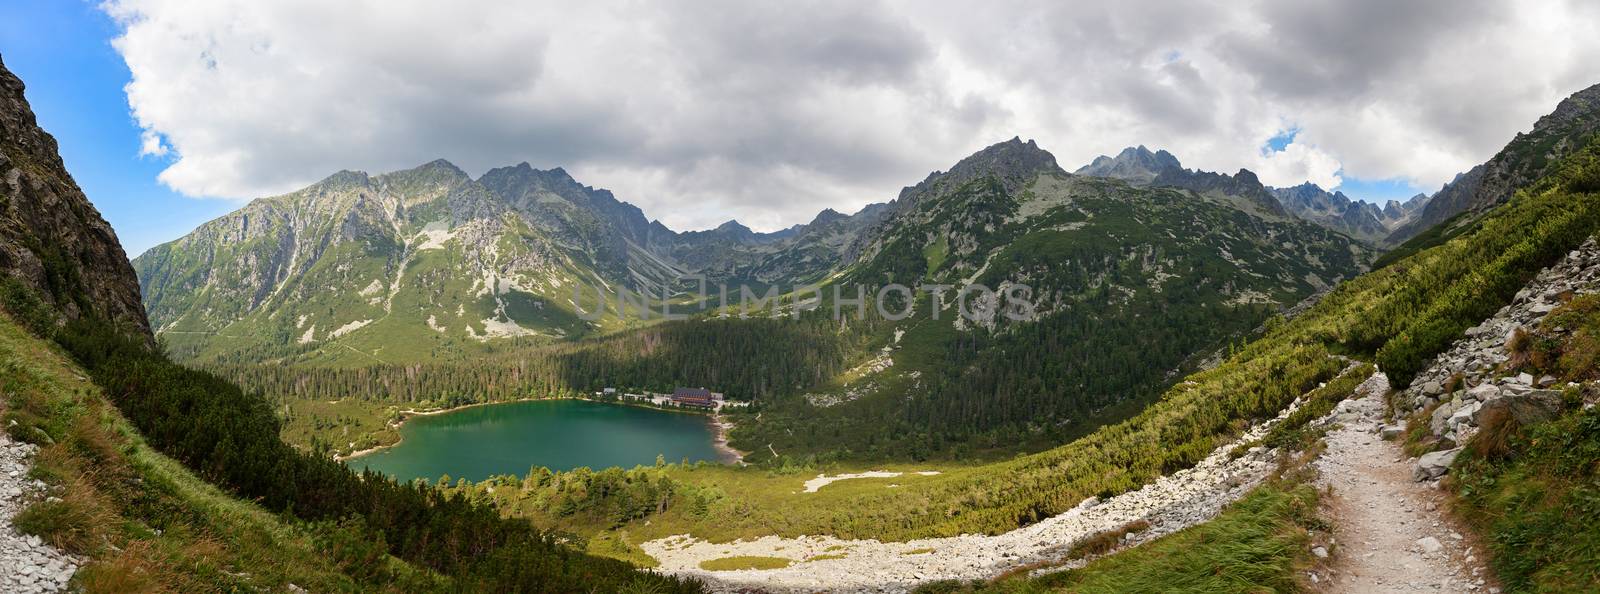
column 61, row 49
column 1377, row 191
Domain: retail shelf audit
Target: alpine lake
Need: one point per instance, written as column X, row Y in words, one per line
column 478, row 442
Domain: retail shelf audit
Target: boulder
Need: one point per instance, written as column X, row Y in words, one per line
column 1390, row 431
column 1483, row 392
column 1441, row 415
column 1467, row 414
column 1433, row 465
column 1432, row 388
column 1528, row 408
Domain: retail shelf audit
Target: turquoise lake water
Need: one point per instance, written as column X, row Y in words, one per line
column 482, row 441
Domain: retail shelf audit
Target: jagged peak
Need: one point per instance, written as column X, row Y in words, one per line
column 734, row 226
column 439, row 163
column 1014, row 151
column 436, row 167
column 524, row 169
column 1134, row 163
column 1013, row 161
column 827, row 215
column 342, row 178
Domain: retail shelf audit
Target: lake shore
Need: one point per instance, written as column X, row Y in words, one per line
column 406, row 415
column 720, row 425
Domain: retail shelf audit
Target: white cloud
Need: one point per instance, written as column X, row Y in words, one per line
column 150, row 144
column 1295, row 164
column 767, row 113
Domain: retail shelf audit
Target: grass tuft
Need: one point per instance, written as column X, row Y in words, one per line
column 745, row 562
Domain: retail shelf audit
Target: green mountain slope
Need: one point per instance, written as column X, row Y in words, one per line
column 429, row 264
column 1394, row 317
column 1130, row 286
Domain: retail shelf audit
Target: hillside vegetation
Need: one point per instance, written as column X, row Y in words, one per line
column 146, row 522
column 231, row 440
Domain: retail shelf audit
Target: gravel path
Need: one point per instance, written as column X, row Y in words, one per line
column 27, row 565
column 1390, row 533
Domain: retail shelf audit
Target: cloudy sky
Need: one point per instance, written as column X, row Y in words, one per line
column 767, row 112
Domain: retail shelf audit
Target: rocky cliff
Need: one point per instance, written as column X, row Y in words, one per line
column 51, row 238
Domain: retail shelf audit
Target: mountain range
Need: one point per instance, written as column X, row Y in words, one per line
column 1333, row 210
column 441, row 263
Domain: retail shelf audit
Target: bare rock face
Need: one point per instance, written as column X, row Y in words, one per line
column 51, row 237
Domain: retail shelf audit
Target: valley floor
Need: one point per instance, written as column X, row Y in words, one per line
column 1391, row 532
column 822, row 563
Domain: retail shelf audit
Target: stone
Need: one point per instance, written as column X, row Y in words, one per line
column 1433, row 465
column 1390, row 431
column 1437, row 423
column 1320, row 552
column 1430, row 544
column 1432, row 388
column 1483, row 392
column 44, row 207
column 1468, row 414
column 1528, row 408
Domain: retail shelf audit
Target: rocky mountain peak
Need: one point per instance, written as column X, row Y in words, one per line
column 1013, row 162
column 342, row 179
column 1133, row 164
column 735, row 227
column 1247, row 177
column 827, row 215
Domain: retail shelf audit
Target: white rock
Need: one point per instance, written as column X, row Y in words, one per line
column 1430, row 544
column 1434, row 464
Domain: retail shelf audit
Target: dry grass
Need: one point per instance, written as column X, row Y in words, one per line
column 1496, row 428
column 1104, row 542
column 745, row 562
column 134, row 569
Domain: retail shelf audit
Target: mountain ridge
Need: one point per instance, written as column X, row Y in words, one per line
column 1527, row 157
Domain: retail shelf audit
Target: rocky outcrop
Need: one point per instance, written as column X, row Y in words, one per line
column 1526, row 158
column 1468, row 379
column 51, row 238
